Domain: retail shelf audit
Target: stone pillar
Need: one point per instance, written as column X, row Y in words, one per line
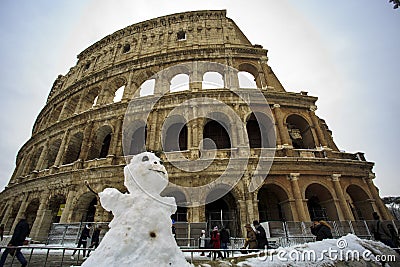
column 195, row 79
column 39, row 215
column 161, row 85
column 342, row 200
column 294, row 177
column 62, row 150
column 251, row 216
column 87, row 134
column 231, row 79
column 68, row 209
column 21, row 211
column 7, row 212
column 152, row 142
column 317, row 127
column 116, row 137
column 282, row 130
column 244, row 217
column 130, row 89
column 42, row 157
column 383, row 211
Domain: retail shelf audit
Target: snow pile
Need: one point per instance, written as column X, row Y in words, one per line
column 140, row 232
column 346, row 251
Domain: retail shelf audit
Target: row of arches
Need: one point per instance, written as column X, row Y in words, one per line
column 171, row 81
column 218, row 133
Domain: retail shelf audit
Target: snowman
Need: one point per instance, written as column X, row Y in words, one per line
column 140, row 232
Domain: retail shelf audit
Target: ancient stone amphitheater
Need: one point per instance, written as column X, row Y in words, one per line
column 79, row 134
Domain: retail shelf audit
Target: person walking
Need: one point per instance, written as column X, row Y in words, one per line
column 95, row 239
column 321, row 229
column 261, row 235
column 380, row 232
column 225, row 240
column 394, row 237
column 83, row 240
column 216, row 241
column 202, row 242
column 251, row 238
column 21, row 231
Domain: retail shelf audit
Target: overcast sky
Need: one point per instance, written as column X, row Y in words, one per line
column 344, row 52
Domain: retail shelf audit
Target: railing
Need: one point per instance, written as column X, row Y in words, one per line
column 59, row 256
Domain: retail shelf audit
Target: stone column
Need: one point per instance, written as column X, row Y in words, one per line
column 383, row 211
column 294, row 177
column 87, row 135
column 63, row 147
column 42, row 157
column 282, row 130
column 68, row 209
column 21, row 211
column 130, row 89
column 317, row 127
column 7, row 212
column 342, row 200
column 116, row 137
column 39, row 215
column 195, row 79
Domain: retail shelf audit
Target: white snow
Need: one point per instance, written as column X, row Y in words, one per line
column 346, row 251
column 140, row 232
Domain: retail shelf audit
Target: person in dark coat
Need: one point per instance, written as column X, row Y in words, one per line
column 225, row 240
column 21, row 231
column 95, row 239
column 216, row 241
column 394, row 236
column 380, row 232
column 321, row 229
column 261, row 235
column 83, row 239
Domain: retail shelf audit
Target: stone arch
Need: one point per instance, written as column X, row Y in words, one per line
column 31, row 211
column 217, row 127
column 114, row 91
column 85, row 208
column 212, row 80
column 55, row 114
column 273, row 203
column 360, row 203
column 175, row 134
column 135, row 136
column 179, row 82
column 52, row 152
column 147, row 87
column 89, row 99
column 101, row 142
column 223, row 211
column 13, row 215
column 260, row 130
column 70, row 107
column 320, row 202
column 248, row 76
column 300, row 132
column 35, row 158
column 74, row 148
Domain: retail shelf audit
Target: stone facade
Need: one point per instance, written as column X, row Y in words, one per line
column 78, row 134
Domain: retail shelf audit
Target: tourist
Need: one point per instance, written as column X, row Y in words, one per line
column 202, row 242
column 261, row 235
column 225, row 240
column 380, row 232
column 251, row 238
column 321, row 229
column 394, row 236
column 173, row 229
column 216, row 241
column 95, row 238
column 1, row 231
column 83, row 240
column 21, row 231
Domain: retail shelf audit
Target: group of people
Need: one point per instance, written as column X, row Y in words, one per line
column 218, row 240
column 85, row 235
column 255, row 238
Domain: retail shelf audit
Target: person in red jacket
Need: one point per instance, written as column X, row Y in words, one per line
column 216, row 241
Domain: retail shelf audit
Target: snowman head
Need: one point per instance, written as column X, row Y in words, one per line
column 145, row 172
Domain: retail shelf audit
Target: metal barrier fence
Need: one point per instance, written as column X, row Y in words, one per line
column 44, row 257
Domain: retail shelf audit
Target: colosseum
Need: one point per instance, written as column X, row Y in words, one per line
column 81, row 134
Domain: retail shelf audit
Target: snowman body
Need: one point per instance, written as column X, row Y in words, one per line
column 140, row 232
